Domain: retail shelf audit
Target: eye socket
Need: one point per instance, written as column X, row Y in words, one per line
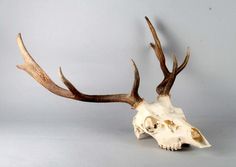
column 155, row 125
column 151, row 124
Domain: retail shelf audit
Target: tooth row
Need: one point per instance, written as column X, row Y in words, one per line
column 171, row 148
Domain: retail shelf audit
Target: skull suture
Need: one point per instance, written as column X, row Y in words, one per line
column 162, row 121
column 167, row 125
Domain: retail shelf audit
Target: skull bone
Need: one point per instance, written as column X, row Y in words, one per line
column 167, row 125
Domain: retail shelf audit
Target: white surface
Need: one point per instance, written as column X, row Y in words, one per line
column 93, row 41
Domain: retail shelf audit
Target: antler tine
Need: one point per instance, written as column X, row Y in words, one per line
column 169, row 77
column 33, row 69
column 172, row 76
column 185, row 62
column 134, row 91
column 158, row 48
column 133, row 98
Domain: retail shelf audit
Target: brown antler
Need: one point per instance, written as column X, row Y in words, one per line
column 33, row 69
column 169, row 77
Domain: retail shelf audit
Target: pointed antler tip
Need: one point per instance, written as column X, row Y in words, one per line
column 61, row 75
column 187, row 54
column 132, row 60
column 60, row 72
column 21, row 67
column 147, row 19
column 133, row 63
column 18, row 36
column 135, row 68
column 175, row 64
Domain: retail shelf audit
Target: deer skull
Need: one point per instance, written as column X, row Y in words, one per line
column 167, row 125
column 164, row 122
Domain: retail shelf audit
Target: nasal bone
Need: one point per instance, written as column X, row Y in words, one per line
column 203, row 144
column 199, row 141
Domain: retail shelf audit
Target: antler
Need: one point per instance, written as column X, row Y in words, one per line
column 33, row 69
column 169, row 77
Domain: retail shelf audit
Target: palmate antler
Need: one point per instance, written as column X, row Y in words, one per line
column 33, row 69
column 169, row 77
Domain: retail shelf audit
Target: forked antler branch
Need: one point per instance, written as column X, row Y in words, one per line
column 169, row 77
column 33, row 69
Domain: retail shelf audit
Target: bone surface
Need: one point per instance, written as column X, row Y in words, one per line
column 167, row 125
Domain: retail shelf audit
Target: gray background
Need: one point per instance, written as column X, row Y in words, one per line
column 93, row 41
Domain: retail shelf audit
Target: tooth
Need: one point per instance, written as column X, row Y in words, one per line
column 179, row 145
column 175, row 146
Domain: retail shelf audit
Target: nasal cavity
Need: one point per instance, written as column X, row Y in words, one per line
column 196, row 135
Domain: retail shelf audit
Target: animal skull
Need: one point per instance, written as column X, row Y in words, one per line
column 164, row 122
column 167, row 125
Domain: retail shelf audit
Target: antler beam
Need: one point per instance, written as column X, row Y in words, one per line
column 33, row 69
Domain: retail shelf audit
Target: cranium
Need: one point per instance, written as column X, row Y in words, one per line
column 167, row 125
column 164, row 122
